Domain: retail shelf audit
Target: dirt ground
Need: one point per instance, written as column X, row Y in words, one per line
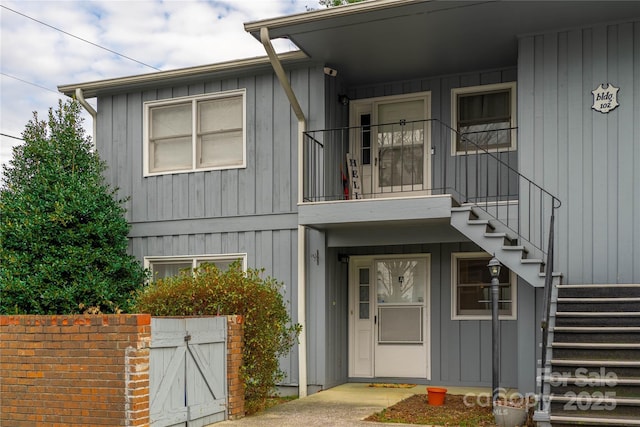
column 454, row 412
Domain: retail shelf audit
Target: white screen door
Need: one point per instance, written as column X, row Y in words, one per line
column 389, row 317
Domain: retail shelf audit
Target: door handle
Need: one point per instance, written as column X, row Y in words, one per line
column 375, row 320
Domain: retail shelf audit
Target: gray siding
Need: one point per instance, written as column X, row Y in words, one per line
column 445, row 172
column 460, row 349
column 267, row 185
column 273, row 250
column 250, row 210
column 589, row 159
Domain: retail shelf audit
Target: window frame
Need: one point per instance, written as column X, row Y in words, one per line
column 195, row 145
column 481, row 90
column 513, row 282
column 195, row 259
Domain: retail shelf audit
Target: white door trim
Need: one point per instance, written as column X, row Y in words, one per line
column 357, row 367
column 369, row 106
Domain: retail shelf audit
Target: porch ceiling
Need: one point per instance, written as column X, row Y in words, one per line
column 377, row 41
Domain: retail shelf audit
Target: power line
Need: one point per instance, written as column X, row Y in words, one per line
column 80, row 38
column 11, row 136
column 30, row 83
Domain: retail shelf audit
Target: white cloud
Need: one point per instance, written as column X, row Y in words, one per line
column 164, row 34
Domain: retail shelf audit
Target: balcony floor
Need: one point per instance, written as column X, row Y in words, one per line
column 401, row 220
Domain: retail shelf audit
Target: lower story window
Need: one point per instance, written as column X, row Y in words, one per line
column 471, row 288
column 166, row 266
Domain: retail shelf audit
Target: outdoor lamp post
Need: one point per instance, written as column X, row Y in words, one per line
column 494, row 269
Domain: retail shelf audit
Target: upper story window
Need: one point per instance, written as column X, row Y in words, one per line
column 195, row 133
column 166, row 266
column 471, row 288
column 484, row 117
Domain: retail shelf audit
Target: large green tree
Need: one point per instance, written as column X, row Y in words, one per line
column 63, row 235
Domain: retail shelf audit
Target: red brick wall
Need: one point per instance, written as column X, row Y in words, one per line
column 235, row 344
column 87, row 370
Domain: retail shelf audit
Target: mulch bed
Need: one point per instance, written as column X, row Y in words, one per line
column 454, row 412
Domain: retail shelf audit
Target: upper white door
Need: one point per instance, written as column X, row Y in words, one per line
column 393, row 143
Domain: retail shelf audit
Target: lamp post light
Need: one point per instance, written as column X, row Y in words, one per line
column 494, row 269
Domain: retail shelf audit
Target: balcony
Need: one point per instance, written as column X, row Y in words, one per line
column 413, row 172
column 409, row 158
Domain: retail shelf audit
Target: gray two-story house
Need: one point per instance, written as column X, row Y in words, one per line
column 378, row 169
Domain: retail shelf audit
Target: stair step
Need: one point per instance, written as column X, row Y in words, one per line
column 598, row 314
column 532, row 261
column 587, row 399
column 496, row 235
column 596, row 363
column 484, row 222
column 598, row 300
column 597, row 329
column 586, row 381
column 603, row 421
column 591, row 291
column 596, row 345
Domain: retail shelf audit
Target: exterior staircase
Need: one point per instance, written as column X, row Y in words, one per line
column 595, row 356
column 497, row 239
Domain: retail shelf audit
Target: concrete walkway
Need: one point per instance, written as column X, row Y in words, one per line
column 344, row 405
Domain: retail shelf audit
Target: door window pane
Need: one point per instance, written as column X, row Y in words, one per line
column 401, row 281
column 400, row 141
column 364, row 294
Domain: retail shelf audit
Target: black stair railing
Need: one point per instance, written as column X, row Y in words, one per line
column 478, row 168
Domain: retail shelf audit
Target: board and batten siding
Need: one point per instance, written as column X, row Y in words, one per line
column 252, row 210
column 267, row 185
column 460, row 349
column 590, row 160
column 440, row 88
column 273, row 250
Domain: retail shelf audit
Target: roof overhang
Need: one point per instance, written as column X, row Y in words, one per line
column 394, row 40
column 179, row 76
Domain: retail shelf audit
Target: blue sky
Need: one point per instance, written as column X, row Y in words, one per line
column 36, row 58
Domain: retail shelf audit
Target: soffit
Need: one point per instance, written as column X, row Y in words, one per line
column 380, row 41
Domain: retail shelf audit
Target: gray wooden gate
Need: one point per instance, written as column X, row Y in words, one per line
column 187, row 371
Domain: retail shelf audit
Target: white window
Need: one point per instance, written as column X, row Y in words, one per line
column 196, row 133
column 471, row 288
column 484, row 118
column 166, row 266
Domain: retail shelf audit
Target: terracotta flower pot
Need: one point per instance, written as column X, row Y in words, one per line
column 435, row 395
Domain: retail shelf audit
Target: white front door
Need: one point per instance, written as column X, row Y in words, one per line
column 393, row 143
column 389, row 317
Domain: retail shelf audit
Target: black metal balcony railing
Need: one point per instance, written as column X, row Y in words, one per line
column 477, row 167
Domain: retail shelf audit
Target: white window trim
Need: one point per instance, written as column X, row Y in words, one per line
column 479, row 90
column 148, row 260
column 194, row 101
column 454, row 290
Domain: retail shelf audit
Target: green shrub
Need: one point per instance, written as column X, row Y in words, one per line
column 268, row 332
column 63, row 235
